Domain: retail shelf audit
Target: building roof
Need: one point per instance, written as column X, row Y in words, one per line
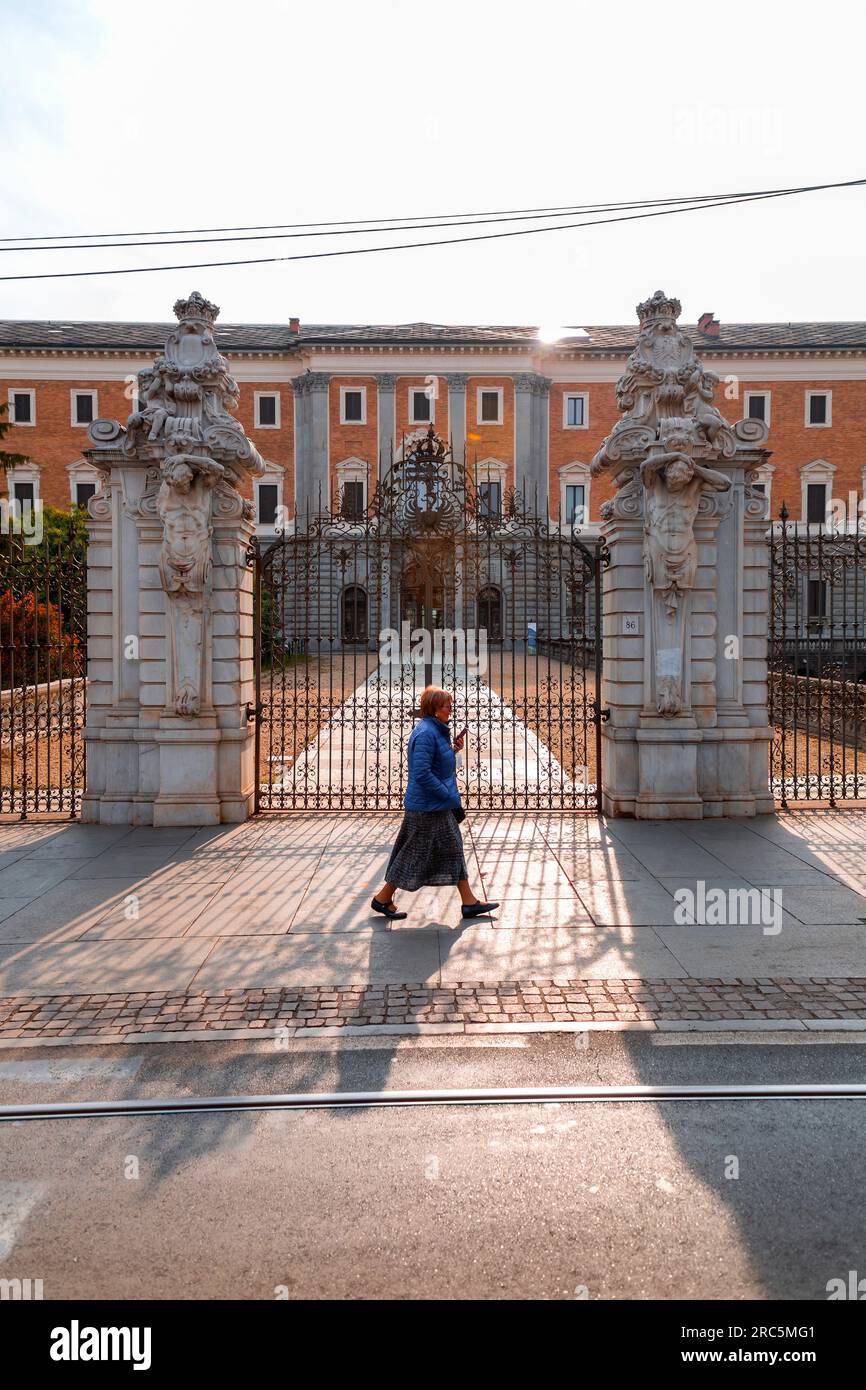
column 39, row 335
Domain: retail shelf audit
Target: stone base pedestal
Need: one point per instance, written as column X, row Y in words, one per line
column 667, row 770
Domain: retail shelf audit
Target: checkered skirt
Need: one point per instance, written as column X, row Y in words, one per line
column 428, row 851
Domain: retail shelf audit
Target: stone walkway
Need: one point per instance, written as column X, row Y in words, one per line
column 113, row 916
column 363, row 745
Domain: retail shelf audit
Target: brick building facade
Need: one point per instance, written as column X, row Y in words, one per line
column 327, row 405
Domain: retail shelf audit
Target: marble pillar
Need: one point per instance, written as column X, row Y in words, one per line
column 169, row 741
column 386, row 416
column 685, row 591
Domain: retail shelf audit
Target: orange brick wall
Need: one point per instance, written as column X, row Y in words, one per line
column 54, row 442
column 275, row 446
column 792, row 444
column 580, row 446
column 353, row 440
column 491, row 441
column 405, row 424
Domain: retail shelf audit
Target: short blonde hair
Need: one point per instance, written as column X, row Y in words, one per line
column 432, row 699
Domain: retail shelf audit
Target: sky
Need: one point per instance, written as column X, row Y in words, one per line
column 121, row 117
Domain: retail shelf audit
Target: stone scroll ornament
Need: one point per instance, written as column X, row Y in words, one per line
column 182, row 427
column 669, row 425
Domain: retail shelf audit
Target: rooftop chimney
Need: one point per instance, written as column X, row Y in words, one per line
column 294, row 325
column 709, row 325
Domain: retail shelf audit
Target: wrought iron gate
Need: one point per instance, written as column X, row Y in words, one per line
column 440, row 581
column 43, row 638
column 817, row 662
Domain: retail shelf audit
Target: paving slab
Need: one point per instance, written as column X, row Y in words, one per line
column 745, row 952
column 103, row 967
column 627, row 903
column 827, row 906
column 328, row 958
column 66, row 911
column 30, row 877
column 488, row 953
column 116, row 863
column 514, row 876
column 167, row 912
column 76, row 841
column 263, row 907
column 541, row 915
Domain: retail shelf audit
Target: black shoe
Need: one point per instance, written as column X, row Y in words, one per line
column 476, row 909
column 388, row 910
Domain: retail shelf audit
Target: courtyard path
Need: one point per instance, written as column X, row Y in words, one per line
column 359, row 756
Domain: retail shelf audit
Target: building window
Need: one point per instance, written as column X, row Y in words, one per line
column 267, row 414
column 818, row 408
column 574, row 500
column 353, row 405
column 575, row 411
column 352, row 500
column 490, row 612
column 490, row 498
column 22, row 407
column 420, row 406
column 575, row 504
column 816, row 503
column 267, row 499
column 758, row 406
column 355, row 625
column 816, row 601
column 84, row 407
column 23, row 493
column 83, row 493
column 490, row 405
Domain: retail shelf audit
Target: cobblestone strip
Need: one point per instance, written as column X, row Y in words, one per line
column 471, row 1002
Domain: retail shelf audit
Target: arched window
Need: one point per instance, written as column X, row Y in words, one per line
column 354, row 613
column 490, row 612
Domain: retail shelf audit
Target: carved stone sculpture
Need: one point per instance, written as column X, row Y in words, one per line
column 195, row 453
column 664, row 380
column 185, row 565
column 669, row 424
column 673, row 484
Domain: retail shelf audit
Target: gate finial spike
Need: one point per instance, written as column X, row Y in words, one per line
column 783, row 514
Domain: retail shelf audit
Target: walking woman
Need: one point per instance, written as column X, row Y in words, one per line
column 429, row 847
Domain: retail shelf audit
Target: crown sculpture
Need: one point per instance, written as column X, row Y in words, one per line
column 658, row 454
column 197, row 454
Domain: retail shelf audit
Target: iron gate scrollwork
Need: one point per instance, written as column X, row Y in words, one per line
column 817, row 661
column 361, row 607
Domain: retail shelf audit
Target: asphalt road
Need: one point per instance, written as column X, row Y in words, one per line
column 507, row 1201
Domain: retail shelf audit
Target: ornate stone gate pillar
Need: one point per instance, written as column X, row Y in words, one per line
column 170, row 595
column 685, row 593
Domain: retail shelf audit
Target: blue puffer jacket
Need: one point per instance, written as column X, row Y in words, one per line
column 432, row 768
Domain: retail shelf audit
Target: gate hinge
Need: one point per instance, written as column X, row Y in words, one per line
column 253, row 712
column 603, row 715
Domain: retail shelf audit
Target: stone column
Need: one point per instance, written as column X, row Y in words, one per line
column 685, row 593
column 457, row 413
column 531, row 400
column 386, row 416
column 170, row 664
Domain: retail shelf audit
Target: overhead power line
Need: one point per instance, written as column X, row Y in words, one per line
column 694, row 206
column 421, row 218
column 466, row 220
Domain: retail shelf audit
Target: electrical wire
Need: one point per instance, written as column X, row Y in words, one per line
column 441, row 241
column 400, row 217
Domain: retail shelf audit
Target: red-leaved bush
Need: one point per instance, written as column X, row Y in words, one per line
column 33, row 646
